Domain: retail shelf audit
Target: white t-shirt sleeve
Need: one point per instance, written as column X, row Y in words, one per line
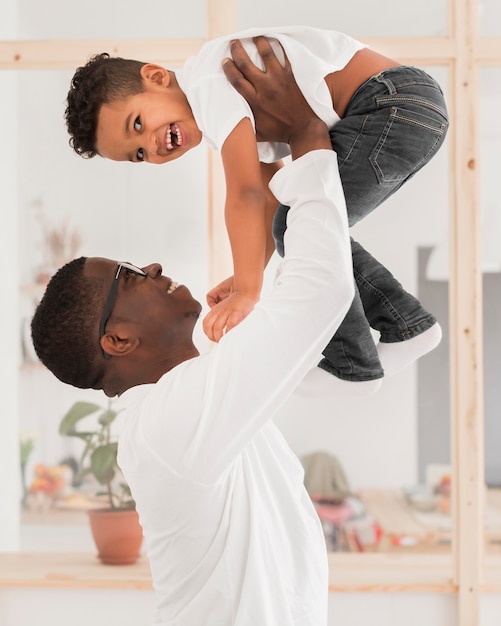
column 218, row 108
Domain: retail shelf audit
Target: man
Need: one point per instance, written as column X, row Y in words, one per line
column 231, row 534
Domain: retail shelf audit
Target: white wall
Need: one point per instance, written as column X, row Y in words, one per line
column 359, row 17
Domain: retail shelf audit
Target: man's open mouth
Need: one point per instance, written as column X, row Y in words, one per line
column 172, row 287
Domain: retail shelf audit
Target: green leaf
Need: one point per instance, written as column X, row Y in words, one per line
column 103, row 462
column 25, row 449
column 77, row 412
column 126, row 490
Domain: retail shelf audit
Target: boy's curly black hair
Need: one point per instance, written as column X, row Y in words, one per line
column 102, row 80
column 64, row 328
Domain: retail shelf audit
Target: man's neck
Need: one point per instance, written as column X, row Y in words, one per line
column 125, row 376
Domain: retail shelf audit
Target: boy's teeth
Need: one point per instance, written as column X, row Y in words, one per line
column 178, row 135
column 169, row 136
column 173, row 287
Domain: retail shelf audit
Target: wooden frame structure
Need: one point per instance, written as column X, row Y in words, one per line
column 463, row 52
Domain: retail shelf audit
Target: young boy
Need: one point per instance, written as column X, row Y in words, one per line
column 386, row 122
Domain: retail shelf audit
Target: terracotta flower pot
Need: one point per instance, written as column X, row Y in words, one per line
column 117, row 534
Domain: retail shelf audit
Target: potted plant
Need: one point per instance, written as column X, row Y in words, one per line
column 115, row 526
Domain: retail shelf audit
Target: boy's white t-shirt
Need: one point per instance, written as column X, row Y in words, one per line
column 231, row 534
column 218, row 107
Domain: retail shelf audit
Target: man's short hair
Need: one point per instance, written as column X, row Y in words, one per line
column 102, row 80
column 64, row 328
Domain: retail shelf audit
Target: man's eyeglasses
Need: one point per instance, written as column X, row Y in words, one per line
column 110, row 300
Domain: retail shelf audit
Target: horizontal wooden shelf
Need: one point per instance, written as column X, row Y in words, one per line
column 77, row 570
column 383, row 572
column 404, row 573
column 375, row 572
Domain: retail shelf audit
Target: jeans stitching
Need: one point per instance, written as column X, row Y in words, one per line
column 354, row 142
column 411, row 120
column 397, row 99
column 381, row 141
column 419, row 165
column 383, row 299
column 402, row 333
column 393, row 115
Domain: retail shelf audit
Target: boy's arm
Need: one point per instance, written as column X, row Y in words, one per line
column 277, row 105
column 246, row 223
column 225, row 288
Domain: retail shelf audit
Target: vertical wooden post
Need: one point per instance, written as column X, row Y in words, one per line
column 221, row 19
column 10, row 492
column 466, row 317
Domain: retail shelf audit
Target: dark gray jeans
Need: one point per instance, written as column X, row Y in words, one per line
column 393, row 125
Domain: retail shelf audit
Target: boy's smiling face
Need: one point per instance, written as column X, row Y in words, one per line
column 156, row 125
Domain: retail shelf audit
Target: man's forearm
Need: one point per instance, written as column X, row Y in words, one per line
column 313, row 135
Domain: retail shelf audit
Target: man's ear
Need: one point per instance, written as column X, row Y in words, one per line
column 114, row 345
column 153, row 74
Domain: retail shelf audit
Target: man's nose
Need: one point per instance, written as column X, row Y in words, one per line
column 154, row 270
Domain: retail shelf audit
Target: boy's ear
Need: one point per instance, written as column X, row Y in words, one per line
column 115, row 345
column 155, row 75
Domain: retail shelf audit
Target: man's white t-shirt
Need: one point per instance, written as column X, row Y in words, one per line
column 230, row 531
column 218, row 107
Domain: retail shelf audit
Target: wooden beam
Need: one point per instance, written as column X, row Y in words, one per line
column 69, row 54
column 221, row 16
column 465, row 304
column 487, row 51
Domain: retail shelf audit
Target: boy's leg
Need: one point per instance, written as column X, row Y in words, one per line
column 379, row 299
column 402, row 340
column 384, row 299
column 351, row 354
column 393, row 125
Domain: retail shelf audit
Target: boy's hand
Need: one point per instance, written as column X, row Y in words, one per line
column 227, row 314
column 220, row 292
column 279, row 107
